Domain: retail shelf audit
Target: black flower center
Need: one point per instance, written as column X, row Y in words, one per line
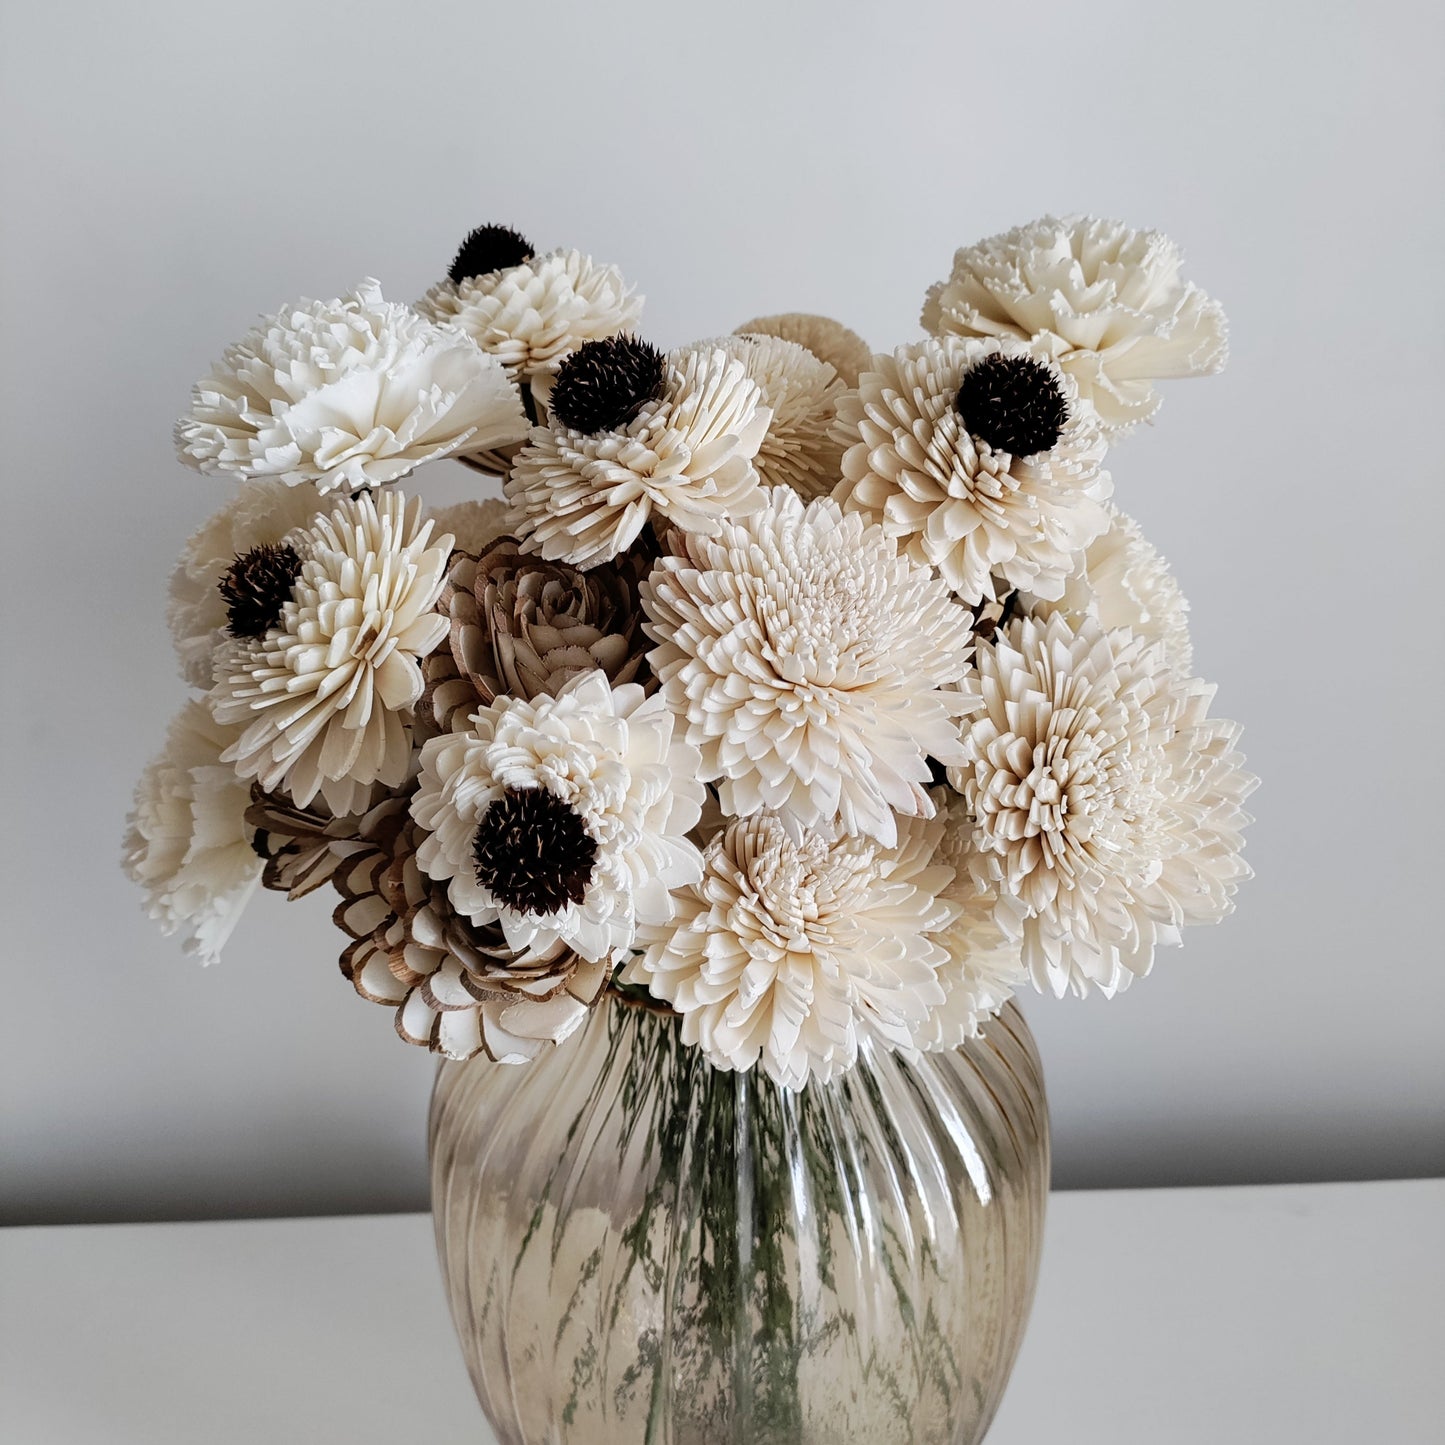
column 256, row 586
column 533, row 852
column 604, row 384
column 1014, row 403
column 490, row 248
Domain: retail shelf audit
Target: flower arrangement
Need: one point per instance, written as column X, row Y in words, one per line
column 814, row 695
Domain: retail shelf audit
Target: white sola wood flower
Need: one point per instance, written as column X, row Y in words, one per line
column 979, row 459
column 352, row 392
column 322, row 693
column 564, row 819
column 815, row 667
column 1109, row 805
column 1108, row 303
column 187, row 843
column 794, row 947
column 844, row 350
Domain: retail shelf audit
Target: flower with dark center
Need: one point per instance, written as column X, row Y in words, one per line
column 604, row 384
column 1014, row 403
column 256, row 586
column 533, row 852
column 490, row 248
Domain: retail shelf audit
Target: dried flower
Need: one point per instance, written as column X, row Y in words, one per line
column 844, row 350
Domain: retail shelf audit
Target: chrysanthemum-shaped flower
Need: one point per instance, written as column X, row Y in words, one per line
column 1106, row 302
column 1109, row 805
column 353, row 392
column 934, row 435
column 259, row 515
column 844, row 350
column 816, row 668
column 187, row 843
column 802, row 393
column 564, row 820
column 322, row 698
column 793, row 947
column 531, row 316
column 1124, row 581
column 684, row 455
column 521, row 627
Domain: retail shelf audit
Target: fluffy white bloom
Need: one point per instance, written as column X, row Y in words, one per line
column 792, row 948
column 844, row 350
column 1109, row 806
column 260, row 514
column 474, row 525
column 970, row 509
column 1106, row 302
column 352, row 392
column 1125, row 582
column 802, row 393
column 187, row 843
column 322, row 697
column 564, row 819
column 817, row 669
column 685, row 458
column 532, row 316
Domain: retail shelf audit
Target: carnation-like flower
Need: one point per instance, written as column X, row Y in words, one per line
column 564, row 819
column 816, row 668
column 353, row 392
column 1108, row 804
column 187, row 843
column 521, row 627
column 259, row 515
column 936, row 436
column 802, row 393
column 844, row 350
column 1124, row 581
column 323, row 696
column 794, row 947
column 531, row 315
column 1106, row 302
column 682, row 454
column 473, row 525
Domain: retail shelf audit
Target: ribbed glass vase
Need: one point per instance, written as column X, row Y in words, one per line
column 641, row 1248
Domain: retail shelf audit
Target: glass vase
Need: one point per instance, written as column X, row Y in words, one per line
column 641, row 1248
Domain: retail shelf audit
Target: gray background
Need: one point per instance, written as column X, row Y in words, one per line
column 172, row 170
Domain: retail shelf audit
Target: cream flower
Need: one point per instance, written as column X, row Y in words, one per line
column 949, row 487
column 684, row 454
column 260, row 514
column 323, row 696
column 473, row 525
column 563, row 819
column 1107, row 303
column 353, row 392
column 844, row 350
column 533, row 315
column 187, row 843
column 1125, row 582
column 1108, row 803
column 793, row 948
column 816, row 669
column 802, row 393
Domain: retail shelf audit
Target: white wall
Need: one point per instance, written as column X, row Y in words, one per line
column 170, row 170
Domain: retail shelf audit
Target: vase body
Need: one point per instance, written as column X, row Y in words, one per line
column 640, row 1248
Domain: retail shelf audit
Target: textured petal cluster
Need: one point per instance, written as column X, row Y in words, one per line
column 348, row 393
column 954, row 502
column 793, row 949
column 532, row 316
column 322, row 698
column 474, row 525
column 685, row 459
column 260, row 514
column 611, row 757
column 844, row 350
column 816, row 668
column 1108, row 804
column 1107, row 302
column 187, row 843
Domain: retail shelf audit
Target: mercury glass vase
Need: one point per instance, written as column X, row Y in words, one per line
column 641, row 1248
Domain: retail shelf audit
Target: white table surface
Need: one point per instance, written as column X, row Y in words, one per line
column 1311, row 1314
